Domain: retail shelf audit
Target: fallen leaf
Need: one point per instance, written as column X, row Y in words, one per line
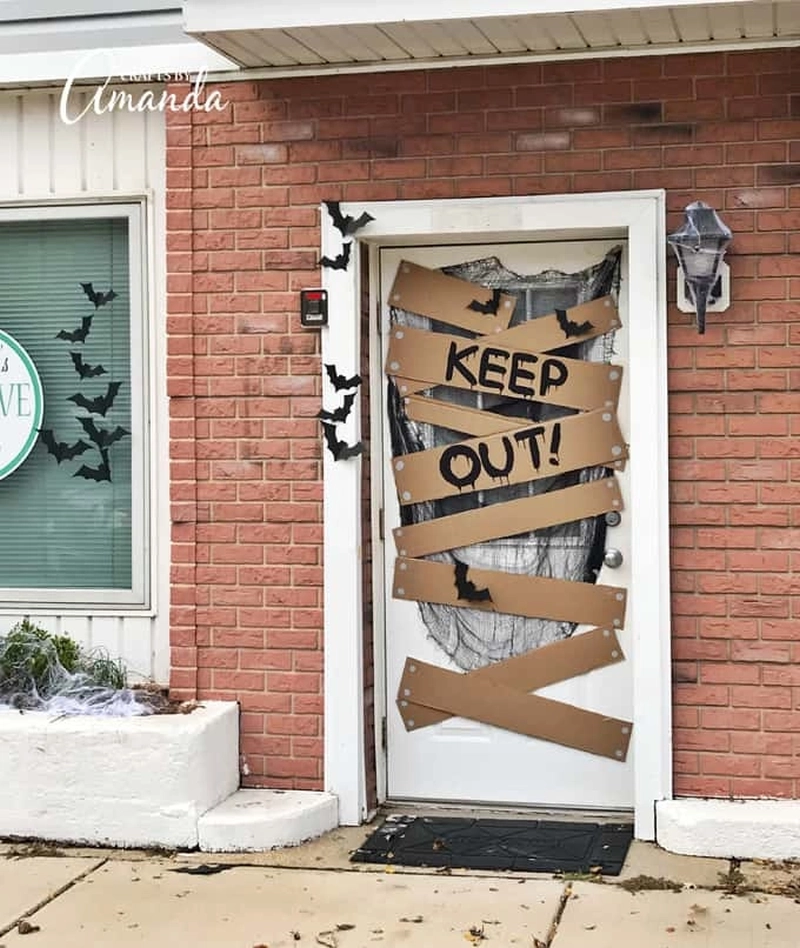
column 589, row 928
column 328, row 939
column 24, row 927
column 595, row 870
column 670, row 929
column 344, row 927
column 416, row 919
column 295, row 935
column 699, row 909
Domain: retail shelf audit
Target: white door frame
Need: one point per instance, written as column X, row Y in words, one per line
column 639, row 218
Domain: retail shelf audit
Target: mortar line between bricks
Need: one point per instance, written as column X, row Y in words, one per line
column 52, row 896
column 560, row 909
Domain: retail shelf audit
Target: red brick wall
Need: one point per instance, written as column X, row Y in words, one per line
column 244, row 379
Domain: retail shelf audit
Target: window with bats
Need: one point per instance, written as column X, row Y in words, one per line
column 73, row 514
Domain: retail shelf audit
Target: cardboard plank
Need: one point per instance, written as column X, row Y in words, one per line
column 574, row 656
column 446, row 298
column 526, row 453
column 546, row 333
column 509, row 519
column 538, row 597
column 471, row 421
column 479, row 365
column 581, row 322
column 501, row 706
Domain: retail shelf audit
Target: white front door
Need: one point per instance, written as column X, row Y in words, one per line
column 463, row 760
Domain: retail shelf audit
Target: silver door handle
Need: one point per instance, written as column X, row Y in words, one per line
column 612, row 558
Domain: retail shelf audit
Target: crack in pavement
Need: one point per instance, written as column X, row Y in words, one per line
column 50, row 897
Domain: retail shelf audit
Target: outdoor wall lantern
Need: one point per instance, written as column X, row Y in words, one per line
column 703, row 278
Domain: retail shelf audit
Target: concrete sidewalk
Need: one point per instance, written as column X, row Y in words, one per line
column 312, row 895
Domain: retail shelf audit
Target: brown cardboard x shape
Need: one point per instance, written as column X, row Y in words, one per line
column 498, row 695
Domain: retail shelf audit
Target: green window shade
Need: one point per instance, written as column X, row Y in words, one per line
column 61, row 529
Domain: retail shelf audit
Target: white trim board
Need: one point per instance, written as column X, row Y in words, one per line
column 639, row 217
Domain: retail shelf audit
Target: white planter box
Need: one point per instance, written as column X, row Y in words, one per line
column 141, row 781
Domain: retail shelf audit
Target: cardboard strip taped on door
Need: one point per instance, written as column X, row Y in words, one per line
column 471, row 421
column 526, row 453
column 450, row 300
column 509, row 519
column 501, row 706
column 538, row 597
column 479, row 365
column 537, row 668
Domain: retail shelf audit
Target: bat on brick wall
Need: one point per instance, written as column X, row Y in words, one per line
column 340, row 450
column 338, row 414
column 489, row 308
column 466, row 588
column 337, row 263
column 346, row 225
column 571, row 328
column 99, row 299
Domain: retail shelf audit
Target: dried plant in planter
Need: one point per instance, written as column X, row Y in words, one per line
column 44, row 672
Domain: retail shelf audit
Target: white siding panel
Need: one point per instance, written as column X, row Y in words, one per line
column 35, row 129
column 102, row 157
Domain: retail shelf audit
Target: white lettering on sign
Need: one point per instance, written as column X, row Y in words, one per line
column 21, row 404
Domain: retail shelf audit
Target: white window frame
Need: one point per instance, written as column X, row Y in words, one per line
column 639, row 218
column 138, row 595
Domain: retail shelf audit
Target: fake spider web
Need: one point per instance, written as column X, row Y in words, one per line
column 573, row 551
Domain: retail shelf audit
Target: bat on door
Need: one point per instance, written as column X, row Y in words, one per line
column 466, row 588
column 102, row 437
column 490, row 307
column 85, row 370
column 100, row 404
column 337, row 263
column 341, row 381
column 340, row 450
column 79, row 335
column 60, row 450
column 346, row 225
column 571, row 328
column 99, row 299
column 338, row 414
column 100, row 473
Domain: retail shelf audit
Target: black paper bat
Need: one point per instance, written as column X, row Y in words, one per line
column 202, row 870
column 340, row 381
column 466, row 588
column 101, row 473
column 80, row 334
column 571, row 328
column 338, row 414
column 340, row 262
column 99, row 299
column 340, row 450
column 102, row 437
column 100, row 404
column 60, row 450
column 85, row 370
column 346, row 225
column 489, row 308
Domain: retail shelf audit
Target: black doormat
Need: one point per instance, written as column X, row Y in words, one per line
column 527, row 845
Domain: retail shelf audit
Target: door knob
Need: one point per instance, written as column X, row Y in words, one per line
column 612, row 558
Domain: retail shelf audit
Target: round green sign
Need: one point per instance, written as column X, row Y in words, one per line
column 21, row 404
